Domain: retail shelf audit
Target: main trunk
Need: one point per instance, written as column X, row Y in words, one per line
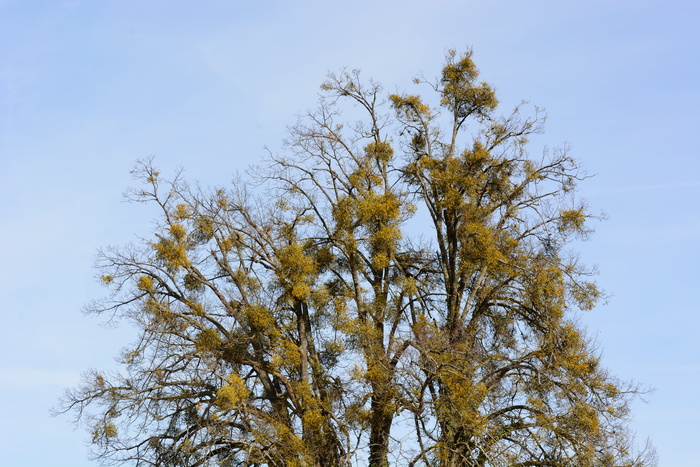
column 380, row 428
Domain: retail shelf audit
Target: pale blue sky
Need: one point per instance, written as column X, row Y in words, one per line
column 88, row 87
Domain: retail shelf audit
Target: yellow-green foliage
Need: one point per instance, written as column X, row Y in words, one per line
column 332, row 351
column 178, row 231
column 546, row 290
column 197, row 308
column 380, row 150
column 297, row 271
column 320, row 298
column 585, row 294
column 99, row 381
column 313, row 419
column 182, row 212
column 173, row 251
column 158, row 309
column 232, row 394
column 247, row 281
column 192, row 282
column 357, row 415
column 102, row 433
column 110, row 430
column 221, row 200
column 379, row 216
column 208, row 340
column 204, row 227
column 229, row 242
column 287, row 355
column 259, row 318
column 573, row 354
column 572, row 220
column 479, row 244
column 580, row 418
column 132, row 356
column 144, row 283
column 464, row 397
column 461, row 93
column 411, row 106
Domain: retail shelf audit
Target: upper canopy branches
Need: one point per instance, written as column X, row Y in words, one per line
column 299, row 321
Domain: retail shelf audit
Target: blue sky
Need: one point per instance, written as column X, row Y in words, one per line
column 88, row 87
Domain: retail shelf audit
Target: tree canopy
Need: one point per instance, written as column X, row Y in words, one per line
column 396, row 287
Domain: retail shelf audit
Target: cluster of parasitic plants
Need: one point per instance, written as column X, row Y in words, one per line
column 395, row 288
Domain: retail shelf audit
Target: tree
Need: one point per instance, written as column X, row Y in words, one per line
column 294, row 318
